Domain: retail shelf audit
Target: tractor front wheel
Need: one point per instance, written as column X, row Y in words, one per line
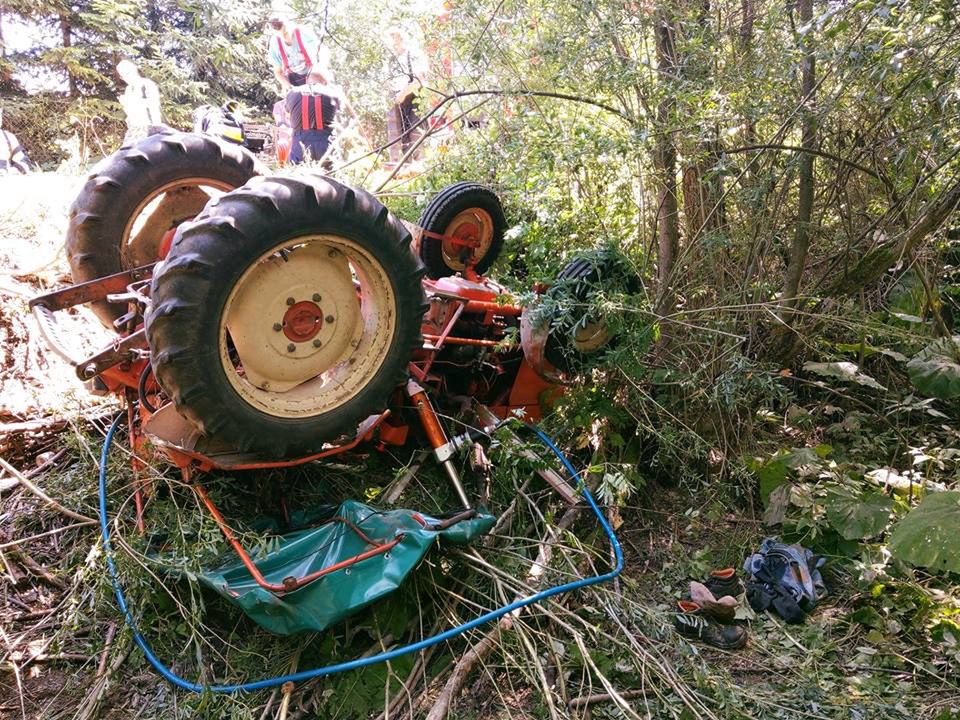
column 576, row 341
column 285, row 314
column 465, row 222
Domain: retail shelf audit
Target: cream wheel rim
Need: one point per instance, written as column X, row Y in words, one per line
column 590, row 335
column 162, row 209
column 474, row 224
column 307, row 326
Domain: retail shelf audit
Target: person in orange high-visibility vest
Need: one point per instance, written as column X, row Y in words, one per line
column 296, row 55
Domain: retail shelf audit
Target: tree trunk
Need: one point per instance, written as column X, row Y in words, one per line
column 665, row 162
column 874, row 264
column 801, row 238
column 66, row 33
column 702, row 195
column 703, row 206
column 745, row 49
column 745, row 38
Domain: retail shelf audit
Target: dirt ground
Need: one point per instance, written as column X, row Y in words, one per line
column 35, row 383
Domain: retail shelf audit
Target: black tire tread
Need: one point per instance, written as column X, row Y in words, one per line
column 443, row 207
column 579, row 277
column 119, row 183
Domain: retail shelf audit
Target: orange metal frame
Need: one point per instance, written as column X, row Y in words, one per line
column 184, row 458
column 291, row 583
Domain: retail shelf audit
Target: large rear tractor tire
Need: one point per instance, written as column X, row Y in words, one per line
column 465, row 211
column 136, row 195
column 285, row 314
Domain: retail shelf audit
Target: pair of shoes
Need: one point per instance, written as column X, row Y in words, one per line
column 709, row 613
column 722, row 608
column 693, row 623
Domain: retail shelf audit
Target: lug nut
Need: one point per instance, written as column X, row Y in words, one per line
column 277, row 327
column 317, row 343
column 316, row 297
column 290, row 301
column 330, row 318
column 291, row 347
column 334, row 253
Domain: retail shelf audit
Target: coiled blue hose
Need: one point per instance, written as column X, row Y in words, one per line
column 180, row 682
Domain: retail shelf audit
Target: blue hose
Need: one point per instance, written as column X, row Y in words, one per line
column 352, row 664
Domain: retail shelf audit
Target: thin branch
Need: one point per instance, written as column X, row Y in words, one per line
column 25, row 481
column 811, row 151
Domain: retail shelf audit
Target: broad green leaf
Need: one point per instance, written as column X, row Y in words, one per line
column 935, row 370
column 927, row 536
column 774, row 472
column 846, row 371
column 868, row 350
column 771, row 476
column 858, row 517
column 778, row 501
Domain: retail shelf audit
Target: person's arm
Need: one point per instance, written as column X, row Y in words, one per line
column 292, row 106
column 417, row 65
column 18, row 158
column 153, row 103
column 284, row 81
column 412, row 88
column 273, row 57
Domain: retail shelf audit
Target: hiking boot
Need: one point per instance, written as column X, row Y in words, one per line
column 723, row 609
column 724, row 583
column 692, row 623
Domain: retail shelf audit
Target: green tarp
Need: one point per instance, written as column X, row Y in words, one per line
column 334, row 596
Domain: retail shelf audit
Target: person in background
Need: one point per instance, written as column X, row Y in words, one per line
column 12, row 157
column 406, row 73
column 296, row 55
column 140, row 101
column 312, row 110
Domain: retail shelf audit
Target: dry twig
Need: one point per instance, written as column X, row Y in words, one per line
column 29, row 485
column 476, row 654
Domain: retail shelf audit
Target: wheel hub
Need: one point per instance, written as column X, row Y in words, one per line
column 467, row 234
column 308, row 340
column 590, row 335
column 302, row 321
column 471, row 234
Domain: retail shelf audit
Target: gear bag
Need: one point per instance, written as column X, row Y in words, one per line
column 786, row 578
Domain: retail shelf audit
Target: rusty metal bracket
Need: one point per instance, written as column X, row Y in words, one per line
column 460, row 242
column 133, row 347
column 570, row 495
column 53, row 335
column 93, row 290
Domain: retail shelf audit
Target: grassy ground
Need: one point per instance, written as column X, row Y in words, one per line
column 875, row 648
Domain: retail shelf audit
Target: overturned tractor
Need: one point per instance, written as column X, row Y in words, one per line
column 263, row 320
column 267, row 322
